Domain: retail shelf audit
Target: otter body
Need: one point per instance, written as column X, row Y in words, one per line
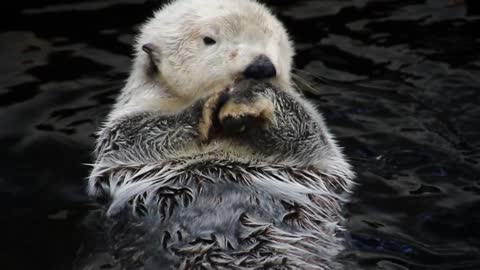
column 241, row 174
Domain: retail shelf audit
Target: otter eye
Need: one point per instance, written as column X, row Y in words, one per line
column 209, row 41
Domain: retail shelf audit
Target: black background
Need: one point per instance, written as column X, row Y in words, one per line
column 398, row 82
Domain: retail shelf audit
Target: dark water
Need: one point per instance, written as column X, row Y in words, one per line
column 398, row 80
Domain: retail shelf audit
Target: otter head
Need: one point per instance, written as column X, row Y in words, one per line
column 192, row 48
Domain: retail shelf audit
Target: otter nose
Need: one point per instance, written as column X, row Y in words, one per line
column 260, row 68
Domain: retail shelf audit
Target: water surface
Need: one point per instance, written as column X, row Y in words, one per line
column 398, row 82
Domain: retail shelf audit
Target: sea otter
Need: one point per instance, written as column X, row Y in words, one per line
column 210, row 159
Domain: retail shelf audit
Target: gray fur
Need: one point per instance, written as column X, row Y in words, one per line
column 266, row 199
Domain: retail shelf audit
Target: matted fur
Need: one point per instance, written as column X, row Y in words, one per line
column 269, row 198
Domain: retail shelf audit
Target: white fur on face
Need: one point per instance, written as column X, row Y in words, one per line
column 243, row 30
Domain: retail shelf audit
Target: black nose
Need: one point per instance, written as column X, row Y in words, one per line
column 260, row 68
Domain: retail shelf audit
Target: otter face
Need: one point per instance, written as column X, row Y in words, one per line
column 203, row 46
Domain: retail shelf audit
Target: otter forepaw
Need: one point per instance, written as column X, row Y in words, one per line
column 236, row 116
column 238, row 108
column 208, row 119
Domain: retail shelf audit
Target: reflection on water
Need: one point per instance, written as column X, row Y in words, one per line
column 398, row 82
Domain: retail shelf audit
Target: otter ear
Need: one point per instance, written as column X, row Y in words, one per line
column 153, row 54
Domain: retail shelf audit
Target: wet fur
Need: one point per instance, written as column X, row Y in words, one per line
column 244, row 178
column 268, row 197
